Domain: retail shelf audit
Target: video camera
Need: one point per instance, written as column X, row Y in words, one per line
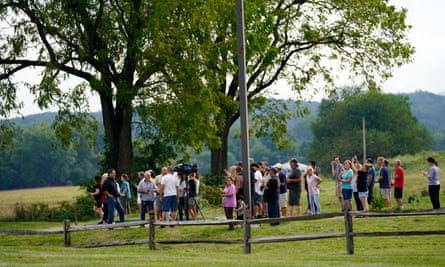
column 186, row 168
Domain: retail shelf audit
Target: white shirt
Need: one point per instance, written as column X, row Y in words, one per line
column 170, row 183
column 258, row 182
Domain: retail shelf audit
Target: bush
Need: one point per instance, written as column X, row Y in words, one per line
column 378, row 202
column 211, row 194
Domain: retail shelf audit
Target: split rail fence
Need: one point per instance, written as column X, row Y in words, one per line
column 247, row 239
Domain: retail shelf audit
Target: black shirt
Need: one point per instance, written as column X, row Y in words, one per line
column 293, row 174
column 272, row 192
column 192, row 188
column 362, row 179
column 110, row 187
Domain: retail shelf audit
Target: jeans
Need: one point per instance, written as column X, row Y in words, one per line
column 370, row 193
column 273, row 210
column 114, row 203
column 434, row 191
column 146, row 206
column 358, row 203
column 314, row 203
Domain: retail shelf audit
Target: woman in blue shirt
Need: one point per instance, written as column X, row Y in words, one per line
column 345, row 179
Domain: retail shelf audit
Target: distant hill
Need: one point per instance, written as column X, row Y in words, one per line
column 429, row 109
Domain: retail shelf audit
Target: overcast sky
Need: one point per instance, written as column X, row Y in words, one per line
column 425, row 73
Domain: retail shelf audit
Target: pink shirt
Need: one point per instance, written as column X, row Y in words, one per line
column 229, row 202
column 312, row 186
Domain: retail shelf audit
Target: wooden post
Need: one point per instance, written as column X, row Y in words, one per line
column 151, row 235
column 349, row 234
column 67, row 233
column 246, row 226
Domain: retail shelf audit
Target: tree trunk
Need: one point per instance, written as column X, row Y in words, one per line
column 117, row 125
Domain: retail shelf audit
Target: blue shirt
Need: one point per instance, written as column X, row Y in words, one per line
column 346, row 175
column 283, row 188
column 126, row 185
column 385, row 183
column 371, row 172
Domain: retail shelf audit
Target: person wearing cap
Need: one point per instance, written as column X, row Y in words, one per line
column 294, row 186
column 282, row 202
column 272, row 195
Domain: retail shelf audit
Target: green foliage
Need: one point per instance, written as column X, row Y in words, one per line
column 391, row 129
column 378, row 202
column 33, row 161
column 212, row 194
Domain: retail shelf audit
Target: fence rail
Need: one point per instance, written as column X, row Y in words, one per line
column 247, row 240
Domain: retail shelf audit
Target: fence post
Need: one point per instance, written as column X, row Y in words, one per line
column 67, row 233
column 246, row 226
column 151, row 235
column 349, row 234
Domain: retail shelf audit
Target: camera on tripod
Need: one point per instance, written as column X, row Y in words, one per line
column 186, row 168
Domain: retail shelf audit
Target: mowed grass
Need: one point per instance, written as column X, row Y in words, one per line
column 429, row 250
column 53, row 196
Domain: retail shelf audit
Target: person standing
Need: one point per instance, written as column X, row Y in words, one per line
column 191, row 195
column 125, row 193
column 229, row 200
column 355, row 167
column 283, row 189
column 157, row 201
column 399, row 182
column 433, row 179
column 345, row 180
column 148, row 190
column 258, row 193
column 272, row 195
column 169, row 194
column 370, row 181
column 182, row 208
column 362, row 183
column 113, row 202
column 337, row 168
column 294, row 186
column 97, row 194
column 385, row 181
column 313, row 183
column 141, row 178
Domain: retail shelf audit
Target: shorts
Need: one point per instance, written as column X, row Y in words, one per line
column 170, row 203
column 363, row 194
column 98, row 204
column 338, row 192
column 294, row 197
column 191, row 201
column 283, row 200
column 347, row 194
column 158, row 203
column 398, row 192
column 386, row 193
column 256, row 199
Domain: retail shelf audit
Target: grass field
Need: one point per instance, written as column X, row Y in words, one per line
column 51, row 195
column 48, row 250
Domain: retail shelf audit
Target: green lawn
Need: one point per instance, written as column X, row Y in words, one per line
column 48, row 250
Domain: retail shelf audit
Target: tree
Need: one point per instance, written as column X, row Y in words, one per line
column 305, row 42
column 391, row 128
column 181, row 55
column 124, row 51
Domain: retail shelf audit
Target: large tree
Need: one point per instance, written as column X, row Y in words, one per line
column 308, row 43
column 129, row 53
column 391, row 128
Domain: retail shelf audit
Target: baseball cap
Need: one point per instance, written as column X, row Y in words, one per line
column 278, row 166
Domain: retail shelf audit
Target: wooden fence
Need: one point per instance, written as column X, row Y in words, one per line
column 247, row 240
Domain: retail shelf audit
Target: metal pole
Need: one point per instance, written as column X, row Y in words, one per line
column 243, row 115
column 364, row 140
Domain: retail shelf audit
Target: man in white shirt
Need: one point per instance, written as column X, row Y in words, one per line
column 259, row 182
column 169, row 194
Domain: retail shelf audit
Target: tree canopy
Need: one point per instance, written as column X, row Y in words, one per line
column 176, row 61
column 391, row 128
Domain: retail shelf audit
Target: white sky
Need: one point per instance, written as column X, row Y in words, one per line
column 425, row 73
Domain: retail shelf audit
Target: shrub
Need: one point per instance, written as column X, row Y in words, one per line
column 211, row 194
column 378, row 202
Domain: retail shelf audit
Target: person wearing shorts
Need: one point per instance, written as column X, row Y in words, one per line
column 399, row 183
column 169, row 194
column 294, row 186
column 385, row 181
column 337, row 168
column 346, row 184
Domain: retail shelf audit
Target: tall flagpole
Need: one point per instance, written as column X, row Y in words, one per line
column 243, row 116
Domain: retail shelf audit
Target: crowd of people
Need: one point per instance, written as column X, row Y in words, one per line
column 275, row 192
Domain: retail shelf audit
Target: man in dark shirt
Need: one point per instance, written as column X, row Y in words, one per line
column 385, row 181
column 294, row 186
column 113, row 201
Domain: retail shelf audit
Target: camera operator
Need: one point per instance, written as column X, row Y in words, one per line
column 191, row 190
